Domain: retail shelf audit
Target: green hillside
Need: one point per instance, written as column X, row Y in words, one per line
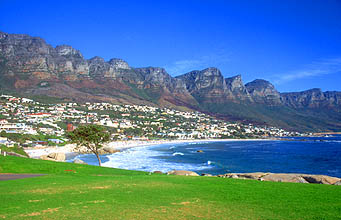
column 304, row 119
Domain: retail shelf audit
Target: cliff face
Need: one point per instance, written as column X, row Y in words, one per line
column 237, row 89
column 33, row 58
column 208, row 85
column 159, row 77
column 313, row 98
column 28, row 64
column 263, row 92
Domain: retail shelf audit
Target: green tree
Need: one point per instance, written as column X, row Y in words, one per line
column 91, row 137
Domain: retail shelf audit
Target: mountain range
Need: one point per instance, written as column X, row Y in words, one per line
column 28, row 65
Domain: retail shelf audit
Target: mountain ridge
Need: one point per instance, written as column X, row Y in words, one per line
column 30, row 65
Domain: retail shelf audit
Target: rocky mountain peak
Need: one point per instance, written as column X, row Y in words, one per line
column 156, row 76
column 3, row 35
column 234, row 82
column 22, row 45
column 309, row 98
column 207, row 84
column 155, row 71
column 119, row 64
column 97, row 59
column 68, row 51
column 237, row 89
column 314, row 90
column 211, row 71
column 263, row 91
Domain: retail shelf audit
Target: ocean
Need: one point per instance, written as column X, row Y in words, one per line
column 313, row 155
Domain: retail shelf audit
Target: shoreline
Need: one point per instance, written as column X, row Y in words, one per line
column 70, row 149
column 71, row 154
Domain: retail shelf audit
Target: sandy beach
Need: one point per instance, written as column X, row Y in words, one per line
column 71, row 149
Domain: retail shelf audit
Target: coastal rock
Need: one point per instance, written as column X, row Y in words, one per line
column 102, row 151
column 79, row 161
column 338, row 183
column 253, row 176
column 284, row 177
column 233, row 176
column 110, row 150
column 321, row 179
column 54, row 157
column 57, row 156
column 182, row 173
column 45, row 157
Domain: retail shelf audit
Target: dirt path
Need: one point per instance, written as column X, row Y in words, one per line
column 8, row 176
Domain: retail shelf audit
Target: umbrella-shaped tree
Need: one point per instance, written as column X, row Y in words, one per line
column 92, row 137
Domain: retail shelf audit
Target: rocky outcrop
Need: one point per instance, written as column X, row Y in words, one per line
column 79, row 161
column 110, row 150
column 54, row 157
column 119, row 64
column 182, row 173
column 263, row 92
column 31, row 57
column 313, row 98
column 115, row 69
column 280, row 177
column 321, row 179
column 208, row 80
column 155, row 76
column 68, row 52
column 254, row 176
column 285, row 177
column 237, row 89
column 29, row 64
column 207, row 85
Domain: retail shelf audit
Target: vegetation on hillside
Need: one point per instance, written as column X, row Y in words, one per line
column 22, row 138
column 307, row 120
column 15, row 149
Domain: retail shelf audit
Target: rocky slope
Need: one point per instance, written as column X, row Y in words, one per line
column 312, row 98
column 30, row 65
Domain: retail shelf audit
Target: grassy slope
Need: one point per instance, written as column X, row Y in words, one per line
column 103, row 193
column 14, row 149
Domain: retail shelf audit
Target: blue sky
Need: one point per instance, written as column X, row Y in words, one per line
column 296, row 45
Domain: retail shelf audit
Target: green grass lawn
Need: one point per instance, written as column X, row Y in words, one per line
column 90, row 192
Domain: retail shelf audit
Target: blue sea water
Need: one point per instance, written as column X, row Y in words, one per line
column 298, row 155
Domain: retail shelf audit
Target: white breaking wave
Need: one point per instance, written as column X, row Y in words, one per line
column 144, row 159
column 178, row 153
